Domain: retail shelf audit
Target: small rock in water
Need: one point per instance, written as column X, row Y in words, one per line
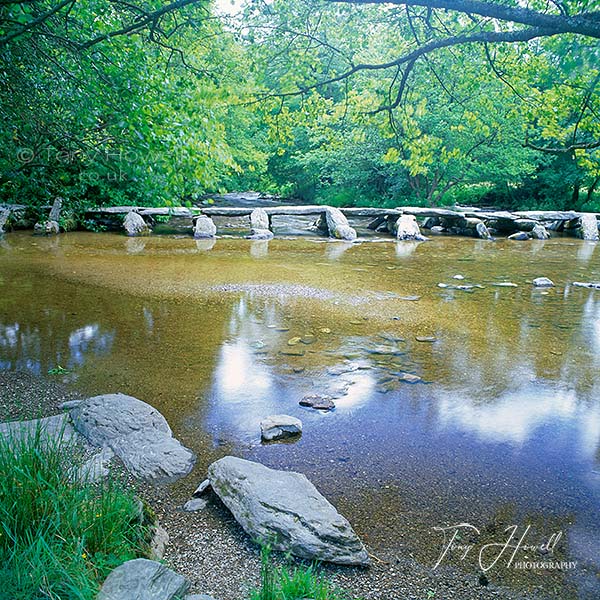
column 591, row 286
column 391, row 337
column 425, row 338
column 341, row 369
column 318, row 402
column 443, row 285
column 308, row 339
column 292, row 352
column 277, row 427
column 325, row 330
column 506, row 284
column 293, row 341
column 459, row 277
column 520, row 236
column 409, row 378
column 409, row 298
column 299, row 369
column 543, row 282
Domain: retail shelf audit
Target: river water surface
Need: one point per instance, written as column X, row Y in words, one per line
column 503, row 430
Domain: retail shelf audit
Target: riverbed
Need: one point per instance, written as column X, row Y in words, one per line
column 499, row 428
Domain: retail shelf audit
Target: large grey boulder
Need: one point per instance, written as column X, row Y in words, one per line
column 589, row 227
column 407, row 228
column 338, row 225
column 285, row 509
column 259, row 219
column 153, row 457
column 539, row 232
column 482, row 231
column 204, row 227
column 134, row 224
column 143, row 579
column 4, row 214
column 50, row 226
column 102, row 419
column 138, row 434
column 277, row 427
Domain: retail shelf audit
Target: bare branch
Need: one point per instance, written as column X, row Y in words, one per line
column 582, row 24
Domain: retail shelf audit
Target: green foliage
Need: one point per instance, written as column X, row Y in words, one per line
column 60, row 536
column 293, row 582
column 199, row 105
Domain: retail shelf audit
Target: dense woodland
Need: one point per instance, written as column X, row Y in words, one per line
column 430, row 102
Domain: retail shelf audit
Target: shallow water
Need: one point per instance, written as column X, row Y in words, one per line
column 503, row 430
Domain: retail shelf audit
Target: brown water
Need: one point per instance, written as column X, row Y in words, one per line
column 504, row 429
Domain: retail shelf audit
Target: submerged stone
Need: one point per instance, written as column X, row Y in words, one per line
column 318, row 402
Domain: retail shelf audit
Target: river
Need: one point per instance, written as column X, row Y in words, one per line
column 503, row 429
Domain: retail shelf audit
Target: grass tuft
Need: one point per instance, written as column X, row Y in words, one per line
column 293, row 582
column 60, row 535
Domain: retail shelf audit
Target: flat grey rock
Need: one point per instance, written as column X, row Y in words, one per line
column 285, row 509
column 143, row 579
column 589, row 285
column 153, row 456
column 55, row 427
column 96, row 467
column 195, row 504
column 277, row 427
column 104, row 418
column 519, row 236
column 138, row 434
column 318, row 402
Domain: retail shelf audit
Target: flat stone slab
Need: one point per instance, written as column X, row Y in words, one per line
column 285, row 509
column 155, row 457
column 138, row 434
column 143, row 579
column 55, row 427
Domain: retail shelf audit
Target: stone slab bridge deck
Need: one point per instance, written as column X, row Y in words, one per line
column 400, row 222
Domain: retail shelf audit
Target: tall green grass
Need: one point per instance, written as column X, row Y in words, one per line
column 293, row 582
column 60, row 535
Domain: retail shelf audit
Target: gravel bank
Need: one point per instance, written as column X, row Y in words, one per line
column 25, row 396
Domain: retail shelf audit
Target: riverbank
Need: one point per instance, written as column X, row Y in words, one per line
column 212, row 551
